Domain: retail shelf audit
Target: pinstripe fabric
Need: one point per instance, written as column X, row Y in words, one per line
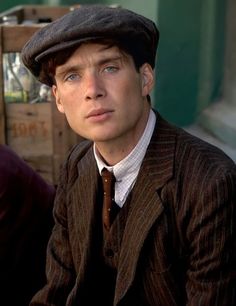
column 179, row 242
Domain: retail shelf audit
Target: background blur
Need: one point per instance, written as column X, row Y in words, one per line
column 196, row 62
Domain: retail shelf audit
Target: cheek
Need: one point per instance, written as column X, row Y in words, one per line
column 72, row 106
column 74, row 119
column 58, row 99
column 132, row 93
column 68, row 101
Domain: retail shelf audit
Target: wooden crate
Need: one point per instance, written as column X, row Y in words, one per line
column 37, row 132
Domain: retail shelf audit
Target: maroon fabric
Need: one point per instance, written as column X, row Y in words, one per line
column 26, row 202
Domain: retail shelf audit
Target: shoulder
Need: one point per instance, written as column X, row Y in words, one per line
column 194, row 160
column 205, row 172
column 9, row 158
column 192, row 150
column 78, row 152
column 201, row 156
column 19, row 182
column 76, row 157
column 13, row 167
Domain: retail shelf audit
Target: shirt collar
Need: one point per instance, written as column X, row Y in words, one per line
column 132, row 161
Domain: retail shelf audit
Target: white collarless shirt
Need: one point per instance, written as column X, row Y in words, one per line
column 126, row 171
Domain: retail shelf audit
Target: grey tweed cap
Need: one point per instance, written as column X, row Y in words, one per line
column 90, row 22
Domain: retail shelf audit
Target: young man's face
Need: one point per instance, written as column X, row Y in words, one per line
column 102, row 94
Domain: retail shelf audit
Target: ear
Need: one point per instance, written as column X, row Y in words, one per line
column 147, row 78
column 57, row 99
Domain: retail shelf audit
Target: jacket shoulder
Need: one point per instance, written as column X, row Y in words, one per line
column 76, row 154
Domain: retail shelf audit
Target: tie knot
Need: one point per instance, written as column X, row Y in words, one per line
column 108, row 180
column 107, row 176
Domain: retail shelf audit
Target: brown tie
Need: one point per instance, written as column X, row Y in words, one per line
column 108, row 180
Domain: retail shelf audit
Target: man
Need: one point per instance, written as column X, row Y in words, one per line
column 169, row 238
column 26, row 221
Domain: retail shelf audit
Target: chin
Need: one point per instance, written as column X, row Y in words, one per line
column 101, row 138
column 100, row 135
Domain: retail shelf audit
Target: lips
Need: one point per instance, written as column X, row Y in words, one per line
column 98, row 112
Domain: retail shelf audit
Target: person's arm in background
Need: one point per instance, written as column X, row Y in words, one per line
column 26, row 203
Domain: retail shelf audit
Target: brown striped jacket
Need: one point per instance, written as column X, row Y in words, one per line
column 179, row 243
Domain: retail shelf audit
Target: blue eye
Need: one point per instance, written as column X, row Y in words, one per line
column 72, row 77
column 111, row 69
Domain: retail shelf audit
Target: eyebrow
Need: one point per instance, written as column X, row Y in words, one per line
column 77, row 67
column 107, row 59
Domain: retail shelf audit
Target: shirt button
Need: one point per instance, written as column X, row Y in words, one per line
column 109, row 253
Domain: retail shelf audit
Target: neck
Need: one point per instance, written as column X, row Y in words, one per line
column 111, row 155
column 115, row 150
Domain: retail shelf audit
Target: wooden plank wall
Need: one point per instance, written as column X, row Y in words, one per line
column 2, row 104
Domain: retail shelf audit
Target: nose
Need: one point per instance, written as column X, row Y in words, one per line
column 94, row 87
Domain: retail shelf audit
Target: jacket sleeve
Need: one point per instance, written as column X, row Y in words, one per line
column 211, row 232
column 59, row 266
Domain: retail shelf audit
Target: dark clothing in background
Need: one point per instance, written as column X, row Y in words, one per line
column 26, row 202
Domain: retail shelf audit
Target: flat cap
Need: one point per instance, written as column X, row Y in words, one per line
column 90, row 22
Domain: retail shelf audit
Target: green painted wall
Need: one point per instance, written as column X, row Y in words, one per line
column 178, row 59
column 7, row 4
column 191, row 53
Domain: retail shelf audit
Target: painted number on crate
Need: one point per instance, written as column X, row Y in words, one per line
column 31, row 129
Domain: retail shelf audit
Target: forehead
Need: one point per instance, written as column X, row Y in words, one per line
column 98, row 51
column 91, row 54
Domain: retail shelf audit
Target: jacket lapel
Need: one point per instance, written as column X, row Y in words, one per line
column 146, row 207
column 85, row 196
